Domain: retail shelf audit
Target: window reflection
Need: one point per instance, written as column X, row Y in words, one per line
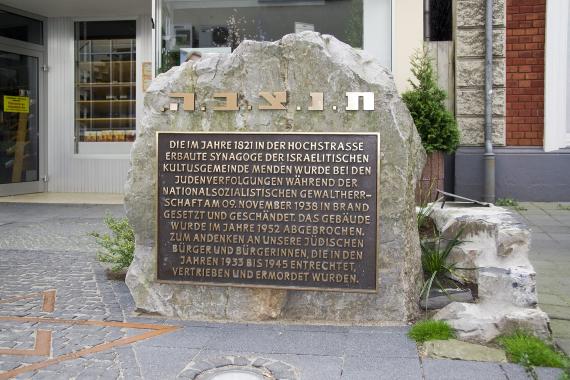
column 188, row 26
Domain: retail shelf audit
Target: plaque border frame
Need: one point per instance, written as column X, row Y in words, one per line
column 272, row 287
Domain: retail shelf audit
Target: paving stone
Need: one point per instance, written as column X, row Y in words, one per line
column 381, row 345
column 560, row 328
column 388, row 368
column 163, row 362
column 455, row 349
column 548, row 373
column 564, row 345
column 245, row 340
column 461, row 370
column 515, row 371
column 311, row 343
column 189, row 337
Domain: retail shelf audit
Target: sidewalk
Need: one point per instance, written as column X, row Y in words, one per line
column 550, row 255
column 90, row 330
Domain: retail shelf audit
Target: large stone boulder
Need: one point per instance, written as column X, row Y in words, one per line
column 496, row 246
column 298, row 63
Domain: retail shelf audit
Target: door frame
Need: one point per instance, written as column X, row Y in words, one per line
column 39, row 52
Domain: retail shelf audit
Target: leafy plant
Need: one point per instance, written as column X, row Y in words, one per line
column 435, row 265
column 434, row 122
column 423, row 331
column 528, row 350
column 118, row 247
column 563, row 207
column 423, row 213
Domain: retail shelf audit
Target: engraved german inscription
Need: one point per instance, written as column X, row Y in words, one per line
column 296, row 210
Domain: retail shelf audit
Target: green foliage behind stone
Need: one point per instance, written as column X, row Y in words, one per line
column 434, row 122
column 118, row 247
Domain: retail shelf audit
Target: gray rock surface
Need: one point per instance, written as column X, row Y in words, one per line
column 456, row 349
column 297, row 63
column 438, row 298
column 497, row 244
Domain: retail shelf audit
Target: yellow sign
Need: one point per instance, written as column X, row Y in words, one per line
column 20, row 104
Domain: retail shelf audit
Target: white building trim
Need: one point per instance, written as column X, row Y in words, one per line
column 556, row 75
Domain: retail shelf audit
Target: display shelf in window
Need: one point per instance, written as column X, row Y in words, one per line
column 105, row 83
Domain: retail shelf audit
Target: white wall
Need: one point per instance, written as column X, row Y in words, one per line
column 408, row 36
column 568, row 78
column 67, row 171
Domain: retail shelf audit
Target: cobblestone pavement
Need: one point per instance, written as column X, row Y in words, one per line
column 61, row 314
column 550, row 255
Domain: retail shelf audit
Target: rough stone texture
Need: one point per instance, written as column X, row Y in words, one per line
column 472, row 72
column 471, row 42
column 497, row 243
column 472, row 101
column 297, row 63
column 456, row 349
column 438, row 298
column 469, row 70
column 471, row 13
column 516, row 286
column 473, row 130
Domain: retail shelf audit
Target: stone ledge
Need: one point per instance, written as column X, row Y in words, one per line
column 497, row 243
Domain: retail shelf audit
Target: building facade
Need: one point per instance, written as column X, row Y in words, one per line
column 531, row 89
column 78, row 71
column 73, row 76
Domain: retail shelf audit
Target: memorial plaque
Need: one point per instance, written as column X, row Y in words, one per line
column 280, row 210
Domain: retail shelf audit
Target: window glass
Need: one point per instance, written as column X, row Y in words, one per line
column 186, row 26
column 21, row 28
column 105, row 107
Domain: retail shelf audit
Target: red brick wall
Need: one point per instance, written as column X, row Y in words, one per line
column 525, row 72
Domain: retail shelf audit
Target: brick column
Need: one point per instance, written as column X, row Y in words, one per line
column 525, row 72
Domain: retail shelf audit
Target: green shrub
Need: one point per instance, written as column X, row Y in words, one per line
column 118, row 247
column 434, row 122
column 528, row 350
column 431, row 330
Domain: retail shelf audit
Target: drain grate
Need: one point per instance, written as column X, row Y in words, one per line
column 238, row 367
column 235, row 373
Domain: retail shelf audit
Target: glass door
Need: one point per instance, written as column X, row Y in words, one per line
column 21, row 135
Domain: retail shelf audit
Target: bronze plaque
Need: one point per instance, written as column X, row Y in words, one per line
column 276, row 210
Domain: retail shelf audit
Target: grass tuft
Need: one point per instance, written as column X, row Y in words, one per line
column 510, row 202
column 423, row 331
column 528, row 350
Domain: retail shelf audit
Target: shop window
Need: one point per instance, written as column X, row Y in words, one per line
column 21, row 28
column 187, row 26
column 105, row 86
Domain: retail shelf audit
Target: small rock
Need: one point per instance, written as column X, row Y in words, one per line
column 455, row 349
column 481, row 323
column 439, row 298
column 516, row 286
